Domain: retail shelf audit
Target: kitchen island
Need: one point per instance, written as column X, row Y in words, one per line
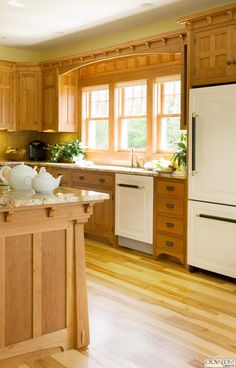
column 43, row 297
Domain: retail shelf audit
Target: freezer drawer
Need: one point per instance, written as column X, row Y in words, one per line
column 212, row 237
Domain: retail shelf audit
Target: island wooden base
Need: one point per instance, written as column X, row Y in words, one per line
column 43, row 298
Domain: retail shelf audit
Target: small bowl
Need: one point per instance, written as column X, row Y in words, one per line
column 16, row 155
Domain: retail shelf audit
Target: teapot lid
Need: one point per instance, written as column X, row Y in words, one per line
column 43, row 172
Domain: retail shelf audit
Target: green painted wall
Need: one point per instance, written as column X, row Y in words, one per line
column 14, row 54
column 112, row 39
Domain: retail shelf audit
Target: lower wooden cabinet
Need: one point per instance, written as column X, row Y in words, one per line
column 101, row 225
column 170, row 218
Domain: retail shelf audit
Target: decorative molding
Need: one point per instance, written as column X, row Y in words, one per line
column 170, row 42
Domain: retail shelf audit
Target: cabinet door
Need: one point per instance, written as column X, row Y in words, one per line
column 68, row 102
column 233, row 54
column 210, row 53
column 28, row 101
column 6, row 98
column 101, row 223
column 50, row 100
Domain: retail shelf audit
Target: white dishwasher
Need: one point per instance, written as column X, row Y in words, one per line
column 134, row 212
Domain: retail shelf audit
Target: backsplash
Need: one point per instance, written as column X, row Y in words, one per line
column 22, row 139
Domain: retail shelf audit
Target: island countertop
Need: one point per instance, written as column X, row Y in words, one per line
column 21, row 198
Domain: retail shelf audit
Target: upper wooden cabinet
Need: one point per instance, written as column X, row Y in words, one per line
column 212, row 46
column 68, row 101
column 213, row 58
column 50, row 99
column 59, row 101
column 6, row 95
column 28, row 108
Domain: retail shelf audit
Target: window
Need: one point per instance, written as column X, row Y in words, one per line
column 131, row 115
column 168, row 114
column 96, row 117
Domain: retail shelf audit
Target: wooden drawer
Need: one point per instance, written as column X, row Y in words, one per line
column 169, row 243
column 170, row 206
column 55, row 171
column 170, row 224
column 79, row 178
column 170, row 188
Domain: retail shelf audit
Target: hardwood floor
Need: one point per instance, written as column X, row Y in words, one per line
column 150, row 314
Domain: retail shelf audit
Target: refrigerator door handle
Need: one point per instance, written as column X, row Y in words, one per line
column 217, row 218
column 194, row 118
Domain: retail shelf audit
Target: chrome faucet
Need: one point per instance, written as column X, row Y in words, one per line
column 132, row 157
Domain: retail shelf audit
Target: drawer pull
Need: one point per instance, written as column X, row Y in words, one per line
column 169, row 224
column 169, row 205
column 169, row 243
column 170, row 188
column 101, row 180
column 81, row 177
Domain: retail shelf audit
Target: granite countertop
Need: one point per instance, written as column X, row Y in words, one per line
column 21, row 198
column 105, row 168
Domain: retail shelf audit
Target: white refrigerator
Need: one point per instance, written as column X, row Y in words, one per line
column 212, row 179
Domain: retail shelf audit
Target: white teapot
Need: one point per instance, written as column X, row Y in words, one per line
column 19, row 177
column 44, row 182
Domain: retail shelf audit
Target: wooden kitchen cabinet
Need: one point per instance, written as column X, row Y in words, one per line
column 6, row 95
column 60, row 101
column 170, row 218
column 50, row 99
column 101, row 225
column 68, row 102
column 28, row 97
column 212, row 56
column 56, row 171
column 212, row 46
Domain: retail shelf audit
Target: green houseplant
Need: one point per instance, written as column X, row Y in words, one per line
column 180, row 156
column 66, row 151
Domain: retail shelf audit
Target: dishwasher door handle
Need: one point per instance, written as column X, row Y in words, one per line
column 132, row 186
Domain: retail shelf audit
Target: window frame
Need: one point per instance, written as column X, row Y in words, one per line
column 120, row 113
column 159, row 106
column 87, row 115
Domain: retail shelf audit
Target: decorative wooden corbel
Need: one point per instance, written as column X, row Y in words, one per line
column 164, row 40
column 230, row 14
column 209, row 19
column 9, row 216
column 51, row 212
column 132, row 48
column 88, row 208
column 148, row 44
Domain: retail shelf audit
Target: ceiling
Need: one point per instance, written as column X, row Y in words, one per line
column 43, row 24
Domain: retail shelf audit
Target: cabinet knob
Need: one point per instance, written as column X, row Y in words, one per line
column 233, row 62
column 169, row 188
column 169, row 224
column 228, row 62
column 170, row 243
column 81, row 177
column 101, row 180
column 169, row 205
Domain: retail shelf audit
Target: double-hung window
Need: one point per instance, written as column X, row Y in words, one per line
column 168, row 114
column 131, row 106
column 95, row 115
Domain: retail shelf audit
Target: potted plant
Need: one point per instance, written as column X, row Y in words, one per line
column 67, row 152
column 180, row 156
